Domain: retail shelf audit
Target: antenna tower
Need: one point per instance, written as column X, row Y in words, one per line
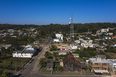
column 72, row 29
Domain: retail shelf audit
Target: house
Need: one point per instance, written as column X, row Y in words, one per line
column 96, row 45
column 107, row 37
column 101, row 49
column 98, row 66
column 87, row 43
column 77, row 41
column 11, row 30
column 7, row 46
column 61, row 52
column 101, row 56
column 80, row 47
column 27, row 52
column 70, row 64
column 36, row 42
column 105, row 30
column 73, row 46
column 112, row 63
column 75, row 55
column 64, row 47
column 114, row 37
column 17, row 53
column 110, row 34
column 50, row 64
column 113, row 44
column 59, row 38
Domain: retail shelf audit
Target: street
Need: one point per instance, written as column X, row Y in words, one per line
column 31, row 70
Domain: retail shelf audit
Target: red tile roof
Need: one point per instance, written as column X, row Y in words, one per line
column 73, row 61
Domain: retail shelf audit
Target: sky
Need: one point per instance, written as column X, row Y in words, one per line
column 43, row 12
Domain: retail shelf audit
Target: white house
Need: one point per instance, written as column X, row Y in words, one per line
column 64, row 47
column 61, row 52
column 56, row 40
column 73, row 46
column 105, row 30
column 112, row 63
column 17, row 53
column 28, row 52
column 75, row 55
column 59, row 38
column 77, row 41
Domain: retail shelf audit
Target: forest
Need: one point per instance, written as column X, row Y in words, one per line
column 51, row 28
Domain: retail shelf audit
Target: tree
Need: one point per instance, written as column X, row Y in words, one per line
column 48, row 55
column 43, row 62
column 69, row 54
column 53, row 48
column 5, row 74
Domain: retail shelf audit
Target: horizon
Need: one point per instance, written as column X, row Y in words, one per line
column 44, row 12
column 59, row 24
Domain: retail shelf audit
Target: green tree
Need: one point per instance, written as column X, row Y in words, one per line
column 53, row 48
column 43, row 62
column 48, row 55
column 5, row 74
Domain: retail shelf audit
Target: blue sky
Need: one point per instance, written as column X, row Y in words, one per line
column 44, row 12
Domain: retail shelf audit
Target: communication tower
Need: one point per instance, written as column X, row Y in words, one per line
column 71, row 29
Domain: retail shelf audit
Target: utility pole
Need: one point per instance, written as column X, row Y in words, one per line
column 15, row 66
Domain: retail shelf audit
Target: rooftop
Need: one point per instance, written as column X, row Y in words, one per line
column 95, row 60
column 17, row 51
column 112, row 60
column 101, row 56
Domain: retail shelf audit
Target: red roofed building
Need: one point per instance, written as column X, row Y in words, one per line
column 70, row 64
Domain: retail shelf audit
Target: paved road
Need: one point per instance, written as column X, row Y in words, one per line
column 31, row 70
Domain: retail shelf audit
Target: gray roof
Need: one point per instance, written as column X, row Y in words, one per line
column 50, row 63
column 94, row 60
column 101, row 56
column 79, row 46
column 17, row 51
column 112, row 60
column 75, row 54
column 29, row 51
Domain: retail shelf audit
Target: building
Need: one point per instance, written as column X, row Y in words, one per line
column 73, row 46
column 36, row 42
column 62, row 52
column 112, row 63
column 7, row 46
column 113, row 44
column 64, row 47
column 28, row 52
column 101, row 56
column 98, row 66
column 114, row 37
column 75, row 55
column 107, row 37
column 77, row 41
column 50, row 64
column 105, row 30
column 70, row 64
column 59, row 38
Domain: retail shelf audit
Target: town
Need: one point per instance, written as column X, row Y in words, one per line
column 57, row 38
column 86, row 53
